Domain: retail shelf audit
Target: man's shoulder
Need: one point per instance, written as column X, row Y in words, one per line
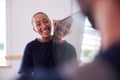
column 112, row 56
column 32, row 42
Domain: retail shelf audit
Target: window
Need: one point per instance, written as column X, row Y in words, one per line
column 2, row 31
column 90, row 43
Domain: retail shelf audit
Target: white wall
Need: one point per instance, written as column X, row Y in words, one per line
column 19, row 28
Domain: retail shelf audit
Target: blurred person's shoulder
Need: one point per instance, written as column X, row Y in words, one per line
column 112, row 56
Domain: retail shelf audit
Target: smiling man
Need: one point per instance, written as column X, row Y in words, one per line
column 38, row 53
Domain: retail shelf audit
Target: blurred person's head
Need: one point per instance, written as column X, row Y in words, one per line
column 62, row 27
column 42, row 25
column 104, row 16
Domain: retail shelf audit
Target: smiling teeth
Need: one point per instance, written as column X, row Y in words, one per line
column 45, row 31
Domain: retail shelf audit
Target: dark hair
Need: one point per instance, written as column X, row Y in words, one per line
column 37, row 14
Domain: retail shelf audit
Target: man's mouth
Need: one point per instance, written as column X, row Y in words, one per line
column 46, row 31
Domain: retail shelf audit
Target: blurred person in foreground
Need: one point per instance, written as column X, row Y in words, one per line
column 104, row 16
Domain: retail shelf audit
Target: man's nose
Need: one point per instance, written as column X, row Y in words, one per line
column 43, row 25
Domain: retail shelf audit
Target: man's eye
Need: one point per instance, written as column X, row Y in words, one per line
column 38, row 24
column 46, row 21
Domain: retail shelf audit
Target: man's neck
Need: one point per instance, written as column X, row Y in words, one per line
column 45, row 39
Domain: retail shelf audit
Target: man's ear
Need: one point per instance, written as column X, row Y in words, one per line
column 34, row 29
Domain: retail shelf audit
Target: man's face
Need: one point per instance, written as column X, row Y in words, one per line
column 42, row 25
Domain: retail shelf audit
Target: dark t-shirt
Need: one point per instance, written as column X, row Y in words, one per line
column 64, row 52
column 37, row 55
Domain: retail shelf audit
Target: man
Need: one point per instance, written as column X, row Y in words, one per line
column 38, row 52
